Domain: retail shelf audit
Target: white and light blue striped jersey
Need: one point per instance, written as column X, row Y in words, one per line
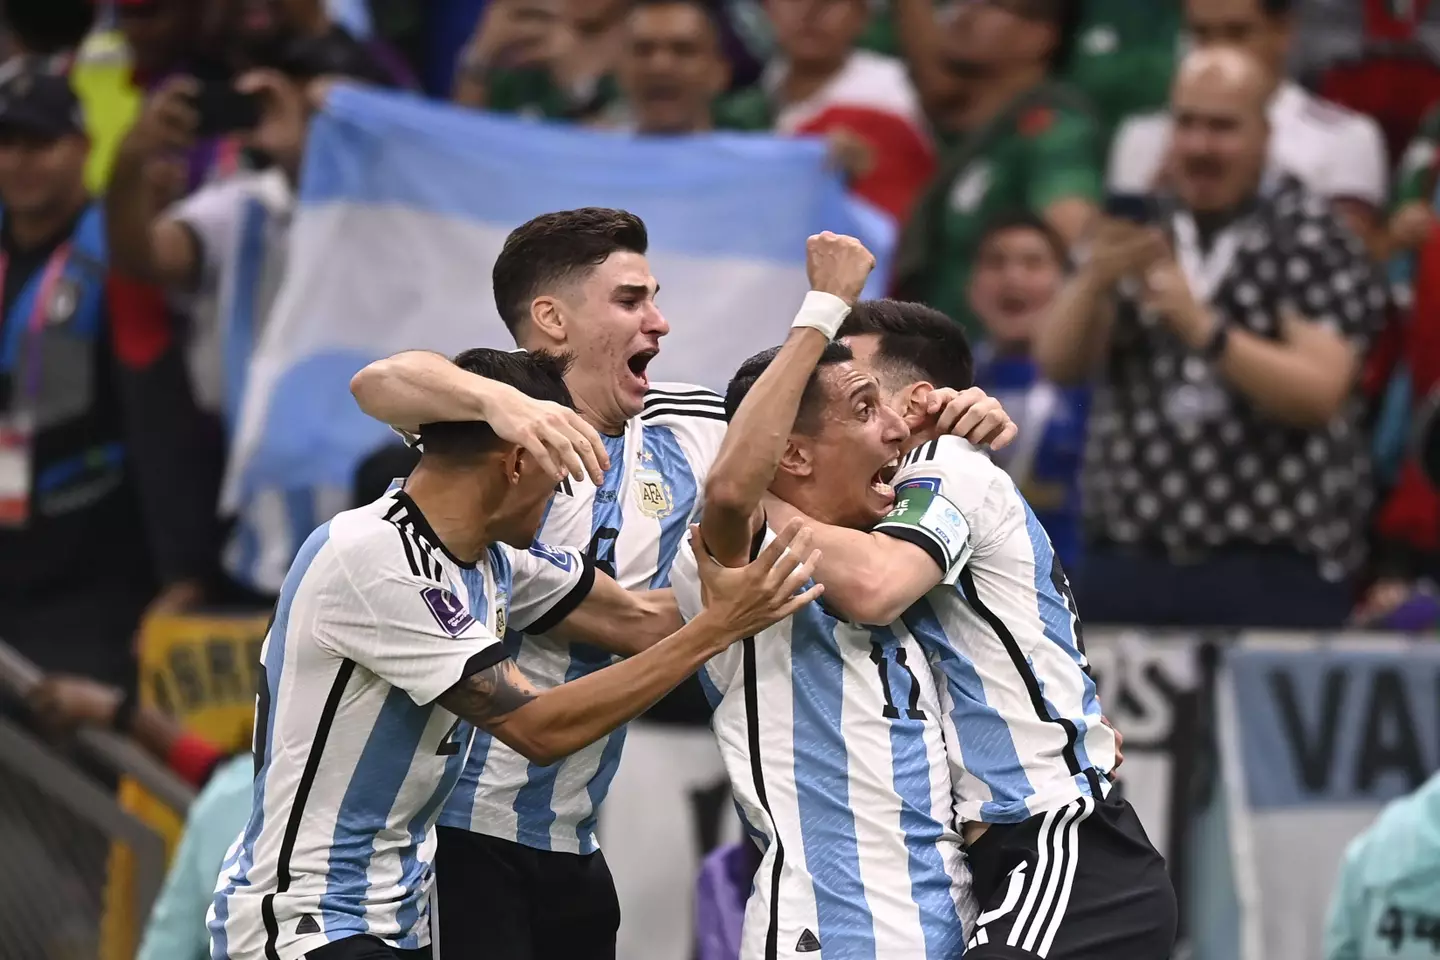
column 831, row 734
column 353, row 758
column 630, row 527
column 1003, row 636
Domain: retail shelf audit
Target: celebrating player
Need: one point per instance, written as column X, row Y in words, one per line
column 830, row 731
column 384, row 651
column 961, row 565
column 517, row 846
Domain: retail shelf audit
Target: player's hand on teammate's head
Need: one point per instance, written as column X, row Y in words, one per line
column 838, row 265
column 973, row 415
column 746, row 600
column 63, row 703
column 557, row 437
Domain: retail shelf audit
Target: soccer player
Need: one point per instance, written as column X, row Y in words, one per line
column 830, row 730
column 517, row 844
column 961, row 565
column 384, row 655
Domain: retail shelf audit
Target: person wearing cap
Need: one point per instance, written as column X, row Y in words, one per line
column 74, row 569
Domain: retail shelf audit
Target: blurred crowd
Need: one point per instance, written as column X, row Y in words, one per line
column 1193, row 242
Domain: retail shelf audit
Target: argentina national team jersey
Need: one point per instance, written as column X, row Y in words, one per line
column 1003, row 636
column 353, row 757
column 630, row 527
column 831, row 734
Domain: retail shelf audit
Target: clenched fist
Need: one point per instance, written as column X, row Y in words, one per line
column 838, row 265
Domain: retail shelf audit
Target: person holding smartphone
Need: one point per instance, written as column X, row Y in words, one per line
column 220, row 255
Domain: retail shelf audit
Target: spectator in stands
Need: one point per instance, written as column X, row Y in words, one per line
column 1013, row 141
column 1124, row 57
column 1335, row 152
column 1412, row 205
column 66, row 495
column 269, row 30
column 225, row 247
column 1226, row 482
column 672, row 69
column 544, row 58
column 1385, row 899
column 1018, row 271
column 863, row 101
column 176, row 928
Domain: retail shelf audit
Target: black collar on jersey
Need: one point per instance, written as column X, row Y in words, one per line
column 423, row 529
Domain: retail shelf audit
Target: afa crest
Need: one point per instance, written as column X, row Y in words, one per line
column 653, row 494
column 500, row 620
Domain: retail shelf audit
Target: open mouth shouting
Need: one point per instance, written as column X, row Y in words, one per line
column 880, row 482
column 639, row 363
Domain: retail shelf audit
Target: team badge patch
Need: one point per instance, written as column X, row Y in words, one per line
column 559, row 558
column 500, row 620
column 653, row 495
column 449, row 612
column 63, row 301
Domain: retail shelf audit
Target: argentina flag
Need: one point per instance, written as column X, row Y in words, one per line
column 404, row 205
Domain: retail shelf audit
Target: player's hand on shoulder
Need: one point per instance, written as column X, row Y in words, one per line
column 556, row 436
column 973, row 415
column 838, row 265
column 742, row 601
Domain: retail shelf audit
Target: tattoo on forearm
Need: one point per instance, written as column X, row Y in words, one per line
column 490, row 694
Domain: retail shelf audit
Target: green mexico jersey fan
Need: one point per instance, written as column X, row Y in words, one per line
column 1043, row 149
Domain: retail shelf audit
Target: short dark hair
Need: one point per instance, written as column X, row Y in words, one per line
column 704, row 8
column 1064, row 16
column 916, row 342
column 810, row 401
column 553, row 248
column 538, row 375
column 1277, row 8
column 1025, row 220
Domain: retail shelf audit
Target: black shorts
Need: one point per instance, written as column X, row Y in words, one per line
column 499, row 900
column 365, row 947
column 1078, row 883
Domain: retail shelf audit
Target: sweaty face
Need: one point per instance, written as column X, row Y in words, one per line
column 817, row 31
column 1218, row 145
column 39, row 174
column 1015, row 277
column 1239, row 23
column 613, row 329
column 672, row 68
column 854, row 450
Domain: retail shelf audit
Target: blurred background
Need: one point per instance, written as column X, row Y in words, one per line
column 215, row 211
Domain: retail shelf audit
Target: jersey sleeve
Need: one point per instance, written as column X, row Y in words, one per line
column 408, row 629
column 548, row 584
column 1065, row 152
column 212, row 214
column 946, row 502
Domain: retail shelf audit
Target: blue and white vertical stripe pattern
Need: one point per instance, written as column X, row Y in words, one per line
column 404, row 204
column 831, row 734
column 631, row 527
column 1022, row 716
column 351, row 772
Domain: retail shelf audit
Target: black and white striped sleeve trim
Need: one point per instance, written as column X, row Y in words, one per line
column 698, row 402
column 566, row 604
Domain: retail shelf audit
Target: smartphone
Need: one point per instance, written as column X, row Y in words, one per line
column 1136, row 207
column 223, row 109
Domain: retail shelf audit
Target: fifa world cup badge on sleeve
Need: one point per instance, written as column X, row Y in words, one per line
column 449, row 612
column 17, row 437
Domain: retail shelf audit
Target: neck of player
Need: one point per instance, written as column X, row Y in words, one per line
column 605, row 417
column 461, row 503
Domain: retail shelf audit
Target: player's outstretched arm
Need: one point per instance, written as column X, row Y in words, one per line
column 869, row 577
column 418, row 387
column 755, row 441
column 620, row 621
column 546, row 726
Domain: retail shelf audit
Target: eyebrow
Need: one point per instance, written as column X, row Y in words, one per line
column 636, row 289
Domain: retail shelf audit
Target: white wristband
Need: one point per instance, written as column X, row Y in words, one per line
column 822, row 311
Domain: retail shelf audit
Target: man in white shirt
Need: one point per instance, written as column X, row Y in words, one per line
column 1334, row 151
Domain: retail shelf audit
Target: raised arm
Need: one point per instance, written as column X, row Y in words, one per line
column 745, row 466
column 545, row 726
column 418, row 387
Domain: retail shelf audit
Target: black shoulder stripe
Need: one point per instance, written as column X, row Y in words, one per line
column 706, row 413
column 697, row 392
column 663, row 401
